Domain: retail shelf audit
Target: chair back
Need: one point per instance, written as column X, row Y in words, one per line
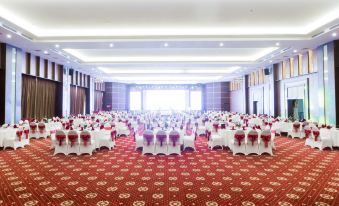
column 296, row 126
column 141, row 129
column 60, row 136
column 85, row 137
column 266, row 137
column 19, row 134
column 239, row 136
column 148, row 137
column 42, row 127
column 174, row 137
column 33, row 127
column 72, row 137
column 252, row 136
column 161, row 137
column 308, row 131
column 316, row 133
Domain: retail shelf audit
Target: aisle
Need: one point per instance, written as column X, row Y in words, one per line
column 296, row 175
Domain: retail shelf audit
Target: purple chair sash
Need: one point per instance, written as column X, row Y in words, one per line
column 149, row 138
column 174, row 138
column 161, row 138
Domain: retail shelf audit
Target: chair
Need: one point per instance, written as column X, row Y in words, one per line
column 105, row 138
column 33, row 130
column 215, row 139
column 296, row 132
column 252, row 144
column 42, row 130
column 139, row 137
column 25, row 139
column 161, row 142
column 86, row 143
column 321, row 139
column 174, row 146
column 238, row 142
column 148, row 142
column 189, row 139
column 73, row 142
column 265, row 143
column 122, row 129
column 60, row 143
column 14, row 141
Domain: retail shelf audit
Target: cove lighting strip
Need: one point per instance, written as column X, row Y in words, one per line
column 227, row 70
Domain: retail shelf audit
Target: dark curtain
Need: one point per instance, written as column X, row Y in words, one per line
column 38, row 98
column 81, row 100
column 78, row 100
column 98, row 100
column 28, row 97
column 73, row 98
column 46, row 98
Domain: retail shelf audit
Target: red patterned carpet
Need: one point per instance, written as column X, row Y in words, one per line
column 296, row 175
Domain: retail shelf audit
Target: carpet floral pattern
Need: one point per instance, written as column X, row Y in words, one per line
column 295, row 175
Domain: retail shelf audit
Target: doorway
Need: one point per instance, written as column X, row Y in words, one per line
column 295, row 109
column 255, row 107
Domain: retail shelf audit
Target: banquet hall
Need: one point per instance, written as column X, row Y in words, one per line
column 178, row 103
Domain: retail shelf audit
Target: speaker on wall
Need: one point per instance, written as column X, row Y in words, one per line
column 71, row 71
column 267, row 71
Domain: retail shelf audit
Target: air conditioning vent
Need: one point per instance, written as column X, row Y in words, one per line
column 27, row 37
column 334, row 27
column 9, row 28
column 316, row 35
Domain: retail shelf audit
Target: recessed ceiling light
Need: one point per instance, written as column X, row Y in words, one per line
column 57, row 46
column 9, row 36
column 165, row 44
column 111, row 45
column 68, row 62
column 334, row 34
column 295, row 51
column 277, row 44
column 221, row 44
column 45, row 52
column 271, row 61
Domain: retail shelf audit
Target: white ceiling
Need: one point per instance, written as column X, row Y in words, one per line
column 158, row 36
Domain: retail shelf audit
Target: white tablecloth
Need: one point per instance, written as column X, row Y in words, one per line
column 335, row 137
column 6, row 133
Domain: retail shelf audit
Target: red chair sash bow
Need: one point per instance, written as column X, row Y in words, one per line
column 72, row 138
column 307, row 132
column 26, row 131
column 266, row 139
column 15, row 126
column 316, row 135
column 252, row 138
column 33, row 128
column 41, row 128
column 329, row 127
column 19, row 135
column 60, row 138
column 296, row 126
column 239, row 138
column 113, row 134
column 85, row 138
